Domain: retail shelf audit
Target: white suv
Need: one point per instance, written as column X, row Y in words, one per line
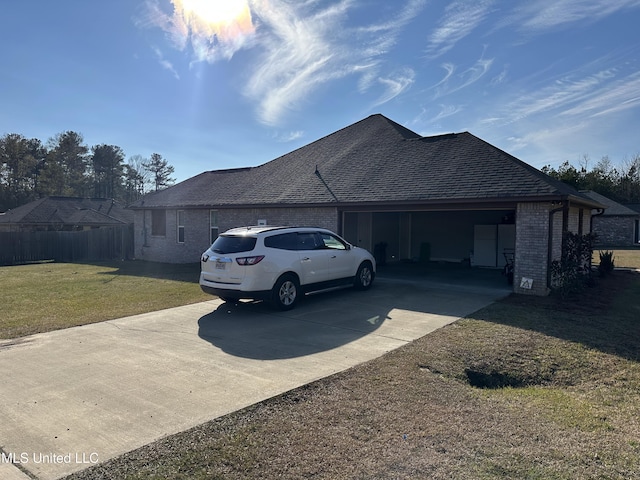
column 281, row 263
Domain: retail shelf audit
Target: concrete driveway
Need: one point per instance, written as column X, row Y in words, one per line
column 79, row 396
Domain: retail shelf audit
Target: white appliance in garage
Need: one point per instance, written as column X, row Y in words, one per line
column 490, row 242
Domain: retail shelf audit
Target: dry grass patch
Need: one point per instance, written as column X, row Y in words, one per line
column 571, row 412
column 623, row 258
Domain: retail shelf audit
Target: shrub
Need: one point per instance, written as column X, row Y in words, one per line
column 572, row 272
column 606, row 263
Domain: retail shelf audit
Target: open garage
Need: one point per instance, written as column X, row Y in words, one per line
column 477, row 237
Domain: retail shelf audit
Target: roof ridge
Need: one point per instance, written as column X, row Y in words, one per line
column 396, row 126
column 230, row 170
column 101, row 214
column 400, row 128
column 433, row 138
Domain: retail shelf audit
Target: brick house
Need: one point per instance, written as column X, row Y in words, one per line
column 616, row 226
column 449, row 197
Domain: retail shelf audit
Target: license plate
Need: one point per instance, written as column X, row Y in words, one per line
column 221, row 265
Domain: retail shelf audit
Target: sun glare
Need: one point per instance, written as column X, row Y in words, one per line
column 223, row 17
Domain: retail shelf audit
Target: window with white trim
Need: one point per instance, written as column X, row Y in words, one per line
column 213, row 225
column 180, row 226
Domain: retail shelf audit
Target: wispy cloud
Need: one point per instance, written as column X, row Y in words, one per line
column 378, row 39
column 501, row 77
column 572, row 111
column 453, row 82
column 564, row 96
column 460, row 19
column 540, row 15
column 621, row 95
column 446, row 111
column 306, row 48
column 298, row 55
column 395, row 84
column 164, row 63
column 287, row 137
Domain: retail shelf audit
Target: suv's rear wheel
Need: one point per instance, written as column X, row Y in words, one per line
column 285, row 292
column 364, row 276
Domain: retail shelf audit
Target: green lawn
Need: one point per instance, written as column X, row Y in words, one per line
column 48, row 296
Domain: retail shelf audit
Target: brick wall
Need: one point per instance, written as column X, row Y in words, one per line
column 614, row 231
column 532, row 231
column 532, row 228
column 197, row 229
column 316, row 217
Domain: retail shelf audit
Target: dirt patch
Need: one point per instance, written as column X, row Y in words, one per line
column 489, row 377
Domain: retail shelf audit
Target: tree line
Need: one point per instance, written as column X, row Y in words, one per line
column 65, row 166
column 620, row 183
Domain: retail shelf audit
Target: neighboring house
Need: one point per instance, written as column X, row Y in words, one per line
column 617, row 226
column 634, row 206
column 65, row 214
column 450, row 197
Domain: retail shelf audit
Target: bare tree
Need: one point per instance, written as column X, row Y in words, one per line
column 136, row 177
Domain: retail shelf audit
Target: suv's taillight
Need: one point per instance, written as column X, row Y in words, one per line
column 249, row 260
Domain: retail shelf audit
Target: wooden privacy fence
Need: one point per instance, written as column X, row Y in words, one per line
column 106, row 243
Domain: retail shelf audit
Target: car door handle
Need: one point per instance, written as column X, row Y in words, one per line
column 334, row 256
column 306, row 259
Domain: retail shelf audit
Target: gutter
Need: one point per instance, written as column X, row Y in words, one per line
column 564, row 208
column 465, row 203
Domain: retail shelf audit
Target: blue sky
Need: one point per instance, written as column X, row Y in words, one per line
column 212, row 84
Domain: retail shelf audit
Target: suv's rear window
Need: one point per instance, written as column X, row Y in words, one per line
column 232, row 244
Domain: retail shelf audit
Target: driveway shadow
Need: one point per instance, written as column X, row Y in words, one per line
column 330, row 320
column 318, row 323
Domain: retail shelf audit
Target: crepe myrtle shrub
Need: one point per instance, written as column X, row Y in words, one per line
column 606, row 265
column 572, row 272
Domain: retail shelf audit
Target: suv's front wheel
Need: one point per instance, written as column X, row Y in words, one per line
column 285, row 292
column 364, row 276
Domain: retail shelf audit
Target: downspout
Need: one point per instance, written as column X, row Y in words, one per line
column 600, row 212
column 565, row 209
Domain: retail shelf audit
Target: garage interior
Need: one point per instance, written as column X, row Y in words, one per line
column 477, row 238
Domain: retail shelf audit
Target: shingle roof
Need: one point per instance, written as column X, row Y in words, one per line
column 376, row 161
column 613, row 208
column 634, row 206
column 69, row 211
